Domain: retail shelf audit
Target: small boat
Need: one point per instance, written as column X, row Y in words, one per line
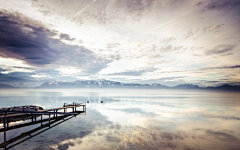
column 28, row 108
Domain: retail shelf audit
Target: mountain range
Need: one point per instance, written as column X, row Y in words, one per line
column 102, row 83
column 5, row 86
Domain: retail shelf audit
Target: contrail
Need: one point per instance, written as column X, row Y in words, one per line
column 161, row 25
column 78, row 13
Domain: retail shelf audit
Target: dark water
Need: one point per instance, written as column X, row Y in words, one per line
column 133, row 119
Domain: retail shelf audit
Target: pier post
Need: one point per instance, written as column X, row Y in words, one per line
column 56, row 112
column 64, row 110
column 5, row 136
column 49, row 117
column 5, row 120
column 41, row 120
column 35, row 117
column 32, row 117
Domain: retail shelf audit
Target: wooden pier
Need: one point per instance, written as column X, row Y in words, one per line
column 53, row 111
column 32, row 133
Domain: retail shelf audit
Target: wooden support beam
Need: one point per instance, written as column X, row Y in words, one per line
column 41, row 120
column 5, row 136
column 5, row 120
column 49, row 117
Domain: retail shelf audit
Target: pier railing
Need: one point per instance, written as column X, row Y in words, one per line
column 73, row 104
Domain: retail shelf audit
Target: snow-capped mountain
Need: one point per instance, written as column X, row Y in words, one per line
column 102, row 83
column 96, row 83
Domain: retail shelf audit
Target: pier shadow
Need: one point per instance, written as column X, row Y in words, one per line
column 45, row 124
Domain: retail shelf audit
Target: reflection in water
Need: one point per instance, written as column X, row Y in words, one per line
column 171, row 120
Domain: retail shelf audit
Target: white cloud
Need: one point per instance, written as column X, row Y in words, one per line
column 127, row 36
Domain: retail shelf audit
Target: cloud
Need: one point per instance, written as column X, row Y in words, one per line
column 221, row 135
column 134, row 72
column 112, row 45
column 171, row 78
column 15, row 77
column 66, row 37
column 201, row 31
column 223, row 67
column 42, row 75
column 220, row 4
column 220, row 49
column 34, row 45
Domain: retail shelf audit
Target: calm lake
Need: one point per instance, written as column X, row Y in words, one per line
column 131, row 119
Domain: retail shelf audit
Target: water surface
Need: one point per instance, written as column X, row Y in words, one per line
column 134, row 119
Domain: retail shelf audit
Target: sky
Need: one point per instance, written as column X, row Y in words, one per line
column 169, row 42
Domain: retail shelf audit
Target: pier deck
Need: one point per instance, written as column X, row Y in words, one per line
column 49, row 112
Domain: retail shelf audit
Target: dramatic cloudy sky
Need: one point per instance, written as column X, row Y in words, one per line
column 139, row 41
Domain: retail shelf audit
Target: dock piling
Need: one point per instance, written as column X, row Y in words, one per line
column 5, row 120
column 49, row 117
column 5, row 136
column 41, row 120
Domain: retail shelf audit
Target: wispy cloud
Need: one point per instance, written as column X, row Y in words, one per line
column 134, row 72
column 220, row 49
column 78, row 13
column 223, row 67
